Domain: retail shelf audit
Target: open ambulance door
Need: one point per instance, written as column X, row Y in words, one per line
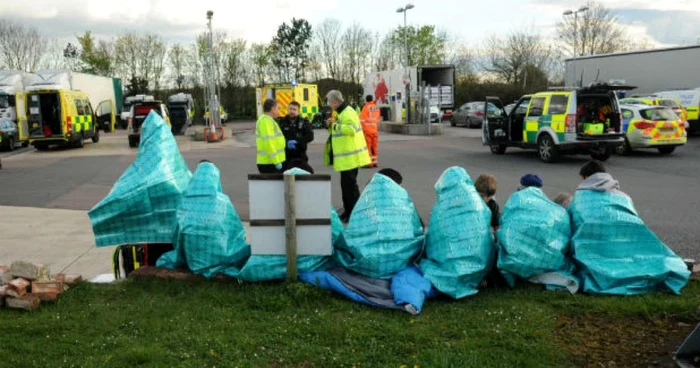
column 495, row 126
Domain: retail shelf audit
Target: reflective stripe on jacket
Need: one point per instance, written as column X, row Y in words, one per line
column 347, row 142
column 270, row 142
column 370, row 117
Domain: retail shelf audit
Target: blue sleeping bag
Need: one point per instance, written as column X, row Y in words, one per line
column 533, row 238
column 616, row 252
column 142, row 205
column 209, row 237
column 384, row 235
column 459, row 250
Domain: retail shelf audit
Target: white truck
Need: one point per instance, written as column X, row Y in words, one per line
column 439, row 81
column 690, row 99
column 98, row 88
column 126, row 108
column 12, row 102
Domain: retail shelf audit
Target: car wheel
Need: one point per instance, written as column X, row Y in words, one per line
column 602, row 156
column 452, row 122
column 11, row 144
column 25, row 144
column 96, row 136
column 547, row 149
column 468, row 123
column 666, row 150
column 498, row 149
column 624, row 149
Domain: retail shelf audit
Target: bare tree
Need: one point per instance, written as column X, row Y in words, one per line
column 177, row 59
column 357, row 44
column 234, row 62
column 260, row 60
column 512, row 57
column 21, row 48
column 462, row 58
column 140, row 58
column 54, row 57
column 327, row 38
column 595, row 31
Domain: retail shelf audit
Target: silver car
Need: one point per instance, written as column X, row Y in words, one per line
column 470, row 115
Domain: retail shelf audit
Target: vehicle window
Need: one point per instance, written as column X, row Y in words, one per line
column 4, row 101
column 658, row 114
column 558, row 104
column 87, row 107
column 79, row 107
column 536, row 106
column 464, row 107
column 669, row 103
column 306, row 94
column 627, row 114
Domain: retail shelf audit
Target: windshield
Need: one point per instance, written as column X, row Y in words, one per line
column 4, row 101
column 669, row 103
column 659, row 114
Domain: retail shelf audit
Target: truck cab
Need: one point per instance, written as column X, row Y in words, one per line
column 585, row 120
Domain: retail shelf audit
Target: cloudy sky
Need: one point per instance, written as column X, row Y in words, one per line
column 667, row 22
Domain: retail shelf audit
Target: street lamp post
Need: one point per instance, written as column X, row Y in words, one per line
column 575, row 13
column 405, row 10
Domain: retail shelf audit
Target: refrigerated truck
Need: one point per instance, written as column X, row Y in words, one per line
column 439, row 81
column 98, row 89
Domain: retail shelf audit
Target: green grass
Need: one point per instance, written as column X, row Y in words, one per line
column 208, row 324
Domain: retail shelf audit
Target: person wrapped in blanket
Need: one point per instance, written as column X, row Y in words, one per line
column 616, row 253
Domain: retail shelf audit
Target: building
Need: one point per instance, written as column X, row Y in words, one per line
column 650, row 70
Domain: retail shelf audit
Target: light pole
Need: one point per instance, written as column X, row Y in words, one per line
column 575, row 13
column 405, row 10
column 210, row 85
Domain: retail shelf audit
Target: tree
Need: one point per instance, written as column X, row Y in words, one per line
column 140, row 57
column 327, row 47
column 95, row 58
column 594, row 32
column 21, row 48
column 357, row 44
column 234, row 62
column 260, row 55
column 425, row 45
column 510, row 58
column 290, row 49
column 177, row 58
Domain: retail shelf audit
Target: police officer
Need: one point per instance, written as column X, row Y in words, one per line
column 298, row 133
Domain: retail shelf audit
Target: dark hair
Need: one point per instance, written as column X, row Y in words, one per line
column 205, row 160
column 591, row 168
column 486, row 185
column 392, row 174
column 294, row 103
column 269, row 104
column 369, row 98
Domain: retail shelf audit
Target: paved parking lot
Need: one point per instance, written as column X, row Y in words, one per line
column 665, row 189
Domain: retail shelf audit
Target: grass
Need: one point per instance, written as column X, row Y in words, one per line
column 159, row 323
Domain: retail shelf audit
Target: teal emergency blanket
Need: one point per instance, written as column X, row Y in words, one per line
column 141, row 207
column 268, row 268
column 209, row 237
column 459, row 249
column 533, row 241
column 384, row 235
column 615, row 251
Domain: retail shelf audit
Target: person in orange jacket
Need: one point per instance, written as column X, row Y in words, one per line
column 369, row 117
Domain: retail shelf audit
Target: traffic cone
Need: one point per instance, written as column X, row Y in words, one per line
column 212, row 137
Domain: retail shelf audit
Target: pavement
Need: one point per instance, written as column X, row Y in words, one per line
column 44, row 196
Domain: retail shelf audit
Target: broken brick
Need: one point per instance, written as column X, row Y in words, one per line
column 3, row 291
column 29, row 271
column 53, row 286
column 72, row 279
column 48, row 296
column 17, row 287
column 27, row 302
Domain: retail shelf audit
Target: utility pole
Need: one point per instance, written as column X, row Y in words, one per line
column 575, row 13
column 405, row 10
column 210, row 85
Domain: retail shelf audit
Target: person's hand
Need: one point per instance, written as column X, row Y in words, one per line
column 278, row 167
column 292, row 144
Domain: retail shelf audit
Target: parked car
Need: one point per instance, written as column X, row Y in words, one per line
column 138, row 114
column 647, row 126
column 471, row 114
column 9, row 135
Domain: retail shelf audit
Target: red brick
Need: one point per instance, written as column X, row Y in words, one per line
column 51, row 286
column 27, row 302
column 72, row 279
column 46, row 296
column 17, row 287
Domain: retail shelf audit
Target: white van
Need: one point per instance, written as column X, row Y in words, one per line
column 690, row 99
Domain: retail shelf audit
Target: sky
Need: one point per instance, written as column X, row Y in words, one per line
column 664, row 23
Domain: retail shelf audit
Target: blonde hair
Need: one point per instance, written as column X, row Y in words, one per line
column 563, row 199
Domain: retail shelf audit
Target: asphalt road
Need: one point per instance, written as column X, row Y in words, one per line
column 666, row 190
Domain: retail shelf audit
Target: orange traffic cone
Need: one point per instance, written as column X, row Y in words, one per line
column 212, row 136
